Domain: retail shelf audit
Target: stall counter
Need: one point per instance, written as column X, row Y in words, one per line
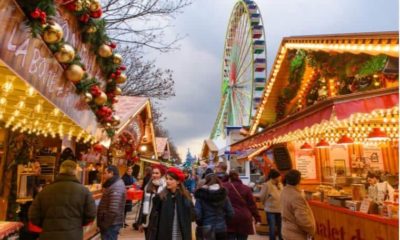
column 336, row 223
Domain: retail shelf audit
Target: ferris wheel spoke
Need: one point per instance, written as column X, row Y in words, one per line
column 246, row 39
column 242, row 30
column 245, row 54
column 240, row 105
column 244, row 70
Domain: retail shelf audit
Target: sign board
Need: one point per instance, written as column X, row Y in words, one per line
column 33, row 62
column 373, row 157
column 339, row 158
column 305, row 163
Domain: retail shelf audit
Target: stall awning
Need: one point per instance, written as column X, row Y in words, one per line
column 337, row 108
column 127, row 109
column 211, row 146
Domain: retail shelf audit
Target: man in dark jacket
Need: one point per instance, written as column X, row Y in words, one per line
column 61, row 209
column 110, row 214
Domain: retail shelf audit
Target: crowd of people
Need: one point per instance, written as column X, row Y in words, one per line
column 216, row 200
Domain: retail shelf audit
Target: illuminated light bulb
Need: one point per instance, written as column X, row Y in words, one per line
column 21, row 104
column 369, row 47
column 3, row 101
column 395, row 48
column 8, row 85
column 16, row 113
column 30, row 91
column 56, row 112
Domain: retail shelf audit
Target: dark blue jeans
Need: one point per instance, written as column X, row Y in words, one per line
column 274, row 220
column 111, row 233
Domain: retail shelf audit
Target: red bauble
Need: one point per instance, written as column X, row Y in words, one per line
column 114, row 100
column 96, row 14
column 123, row 67
column 98, row 148
column 118, row 72
column 113, row 75
column 95, row 91
column 71, row 6
column 84, row 18
column 36, row 13
column 113, row 45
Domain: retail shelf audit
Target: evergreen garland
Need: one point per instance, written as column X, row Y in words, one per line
column 39, row 12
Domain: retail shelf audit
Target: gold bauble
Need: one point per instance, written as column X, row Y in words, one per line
column 117, row 59
column 108, row 125
column 53, row 33
column 66, row 54
column 115, row 121
column 121, row 79
column 74, row 73
column 100, row 100
column 94, row 5
column 105, row 51
column 117, row 91
column 88, row 97
column 91, row 29
column 78, row 5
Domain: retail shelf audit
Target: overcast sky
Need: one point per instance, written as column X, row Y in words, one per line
column 197, row 65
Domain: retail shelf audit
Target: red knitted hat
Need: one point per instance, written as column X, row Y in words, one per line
column 178, row 173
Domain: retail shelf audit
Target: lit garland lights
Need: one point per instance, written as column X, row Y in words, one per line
column 23, row 109
column 358, row 126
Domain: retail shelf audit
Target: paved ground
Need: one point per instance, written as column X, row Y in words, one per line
column 130, row 234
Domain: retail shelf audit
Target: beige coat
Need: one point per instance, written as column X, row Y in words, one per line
column 270, row 195
column 297, row 218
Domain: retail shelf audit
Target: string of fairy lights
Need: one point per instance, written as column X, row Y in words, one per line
column 27, row 112
column 358, row 128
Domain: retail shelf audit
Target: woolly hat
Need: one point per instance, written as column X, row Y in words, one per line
column 177, row 174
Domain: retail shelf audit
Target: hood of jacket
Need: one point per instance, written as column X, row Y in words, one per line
column 215, row 198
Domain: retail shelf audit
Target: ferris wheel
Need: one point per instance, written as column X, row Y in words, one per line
column 243, row 68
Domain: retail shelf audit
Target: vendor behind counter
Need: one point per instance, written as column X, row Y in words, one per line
column 379, row 191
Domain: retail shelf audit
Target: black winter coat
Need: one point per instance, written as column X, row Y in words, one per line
column 213, row 208
column 62, row 208
column 162, row 217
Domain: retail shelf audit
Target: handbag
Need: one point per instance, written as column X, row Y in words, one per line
column 205, row 232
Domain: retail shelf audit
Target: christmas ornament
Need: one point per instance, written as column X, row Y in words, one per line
column 91, row 29
column 117, row 91
column 96, row 14
column 117, row 59
column 53, row 33
column 65, row 54
column 95, row 90
column 113, row 45
column 84, row 18
column 115, row 121
column 108, row 125
column 78, row 5
column 98, row 148
column 101, row 99
column 88, row 97
column 74, row 73
column 121, row 79
column 94, row 5
column 104, row 51
column 123, row 67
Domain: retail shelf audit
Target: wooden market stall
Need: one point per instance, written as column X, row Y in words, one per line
column 330, row 110
column 53, row 98
column 163, row 150
column 135, row 141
